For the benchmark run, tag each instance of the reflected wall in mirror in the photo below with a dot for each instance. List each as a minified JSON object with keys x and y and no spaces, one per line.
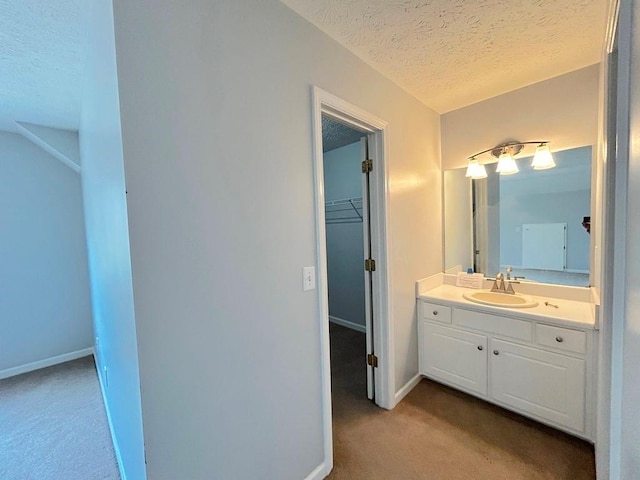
{"x":530,"y":221}
{"x":458,"y":220}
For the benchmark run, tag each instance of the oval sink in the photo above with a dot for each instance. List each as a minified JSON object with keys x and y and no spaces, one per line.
{"x":500,"y":299}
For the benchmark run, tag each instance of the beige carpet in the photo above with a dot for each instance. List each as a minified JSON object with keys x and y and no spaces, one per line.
{"x":53,"y":425}
{"x":438,"y":433}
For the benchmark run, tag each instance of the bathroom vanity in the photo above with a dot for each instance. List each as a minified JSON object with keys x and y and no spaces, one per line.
{"x":538,"y":361}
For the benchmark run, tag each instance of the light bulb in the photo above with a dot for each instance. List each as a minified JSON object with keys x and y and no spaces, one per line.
{"x":506,"y":164}
{"x":475,"y":170}
{"x":543,"y":158}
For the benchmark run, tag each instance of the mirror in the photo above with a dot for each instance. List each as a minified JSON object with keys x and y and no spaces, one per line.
{"x":531,"y":221}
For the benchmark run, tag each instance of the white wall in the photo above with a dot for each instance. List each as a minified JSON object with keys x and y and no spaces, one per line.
{"x":562,"y":110}
{"x":45,"y":308}
{"x":216,"y":118}
{"x":345,"y":242}
{"x":103,"y":187}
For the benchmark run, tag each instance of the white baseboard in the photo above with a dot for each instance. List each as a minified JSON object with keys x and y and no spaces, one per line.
{"x":318,"y":473}
{"x":114,"y":440}
{"x":348,"y":324}
{"x":47,"y":362}
{"x":410,"y":385}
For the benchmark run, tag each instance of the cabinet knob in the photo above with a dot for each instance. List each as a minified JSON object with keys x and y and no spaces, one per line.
{"x":496,"y":352}
{"x":559,"y":339}
{"x":435,"y":312}
{"x":479,"y":347}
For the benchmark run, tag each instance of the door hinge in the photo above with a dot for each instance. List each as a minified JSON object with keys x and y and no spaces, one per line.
{"x":367,"y":166}
{"x":370,"y":265}
{"x":372,"y":360}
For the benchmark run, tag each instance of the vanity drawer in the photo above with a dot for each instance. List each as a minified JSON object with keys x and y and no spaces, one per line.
{"x":433,"y":311}
{"x":563,"y":338}
{"x":508,"y":327}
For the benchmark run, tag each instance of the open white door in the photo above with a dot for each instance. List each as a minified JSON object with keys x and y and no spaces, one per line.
{"x":369,"y":266}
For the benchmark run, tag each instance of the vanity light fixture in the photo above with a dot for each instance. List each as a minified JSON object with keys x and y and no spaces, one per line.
{"x":475,"y":170}
{"x":507,"y":165}
{"x":543,"y":158}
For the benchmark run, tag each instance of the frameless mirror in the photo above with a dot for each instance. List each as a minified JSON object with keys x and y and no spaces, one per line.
{"x":532,"y":221}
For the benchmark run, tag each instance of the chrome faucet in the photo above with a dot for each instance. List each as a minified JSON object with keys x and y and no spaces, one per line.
{"x":499,"y":285}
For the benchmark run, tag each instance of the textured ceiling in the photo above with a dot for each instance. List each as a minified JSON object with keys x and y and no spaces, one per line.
{"x":336,"y":135}
{"x":448,"y":53}
{"x":42,"y":48}
{"x":452,"y":53}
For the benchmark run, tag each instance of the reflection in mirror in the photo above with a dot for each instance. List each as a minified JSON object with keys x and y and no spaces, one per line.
{"x":458,"y":228}
{"x":530,"y":221}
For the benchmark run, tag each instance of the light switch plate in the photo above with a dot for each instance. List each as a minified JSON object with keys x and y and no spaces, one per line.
{"x":308,"y":278}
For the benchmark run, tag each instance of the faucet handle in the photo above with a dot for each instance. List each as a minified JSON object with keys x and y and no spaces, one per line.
{"x":498,"y":283}
{"x":509,"y":270}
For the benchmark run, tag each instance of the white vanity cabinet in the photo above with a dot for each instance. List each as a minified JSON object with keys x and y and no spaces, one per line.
{"x":541,"y":383}
{"x":456,"y":356}
{"x":533,"y":368}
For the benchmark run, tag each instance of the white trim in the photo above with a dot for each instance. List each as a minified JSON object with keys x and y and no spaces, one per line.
{"x":33,"y":138}
{"x":346,"y":323}
{"x":324,"y":103}
{"x":618,"y":296}
{"x":47,"y":362}
{"x":114,"y":439}
{"x":318,"y":473}
{"x":406,"y":389}
{"x":323,"y":296}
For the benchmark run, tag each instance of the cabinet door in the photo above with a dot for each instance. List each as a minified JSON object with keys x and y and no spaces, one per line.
{"x":457,"y":357}
{"x":549,"y":385}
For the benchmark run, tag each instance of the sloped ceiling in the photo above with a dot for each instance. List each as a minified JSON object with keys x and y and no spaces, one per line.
{"x":42,"y":48}
{"x":452,"y":53}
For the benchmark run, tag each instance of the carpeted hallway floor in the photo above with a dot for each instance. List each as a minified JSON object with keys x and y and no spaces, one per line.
{"x":438,"y":433}
{"x":53,"y":425}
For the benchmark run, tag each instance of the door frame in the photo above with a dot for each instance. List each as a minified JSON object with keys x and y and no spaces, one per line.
{"x":324,"y":103}
{"x":607,"y":454}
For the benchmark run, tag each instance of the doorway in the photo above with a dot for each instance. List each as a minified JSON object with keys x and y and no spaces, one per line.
{"x":349,"y":258}
{"x":365,"y":213}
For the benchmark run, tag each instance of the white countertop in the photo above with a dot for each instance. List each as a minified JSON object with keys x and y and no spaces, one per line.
{"x":569,"y":313}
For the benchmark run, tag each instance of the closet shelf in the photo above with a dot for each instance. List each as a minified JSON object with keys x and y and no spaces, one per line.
{"x":344,"y":210}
